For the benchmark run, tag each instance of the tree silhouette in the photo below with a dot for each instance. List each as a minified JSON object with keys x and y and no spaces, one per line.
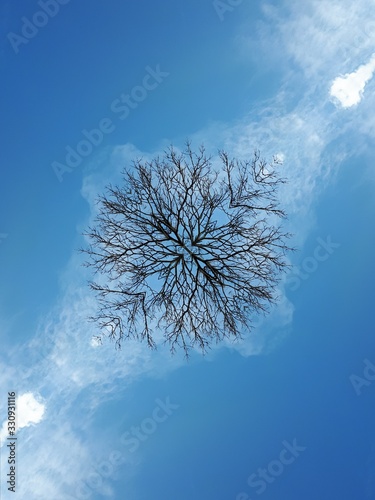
{"x":191,"y":250}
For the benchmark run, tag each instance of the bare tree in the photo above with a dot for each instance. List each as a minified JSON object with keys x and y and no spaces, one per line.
{"x":192,"y":250}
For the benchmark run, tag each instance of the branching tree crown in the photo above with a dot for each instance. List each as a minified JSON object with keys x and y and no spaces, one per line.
{"x":188,"y":249}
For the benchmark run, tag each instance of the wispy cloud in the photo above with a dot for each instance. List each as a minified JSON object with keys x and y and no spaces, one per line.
{"x":320,"y":39}
{"x":57,"y":447}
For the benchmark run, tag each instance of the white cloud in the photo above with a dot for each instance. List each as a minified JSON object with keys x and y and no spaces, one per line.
{"x":349,"y":89}
{"x":280,"y":157}
{"x":95,"y":342}
{"x":29,"y":410}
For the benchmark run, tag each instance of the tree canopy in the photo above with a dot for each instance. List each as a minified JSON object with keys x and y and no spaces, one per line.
{"x":188,"y":246}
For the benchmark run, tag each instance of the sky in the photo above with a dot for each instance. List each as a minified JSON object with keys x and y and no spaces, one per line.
{"x":287,"y":412}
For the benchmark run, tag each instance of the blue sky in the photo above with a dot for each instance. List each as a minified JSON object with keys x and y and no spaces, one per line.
{"x":286,"y":413}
